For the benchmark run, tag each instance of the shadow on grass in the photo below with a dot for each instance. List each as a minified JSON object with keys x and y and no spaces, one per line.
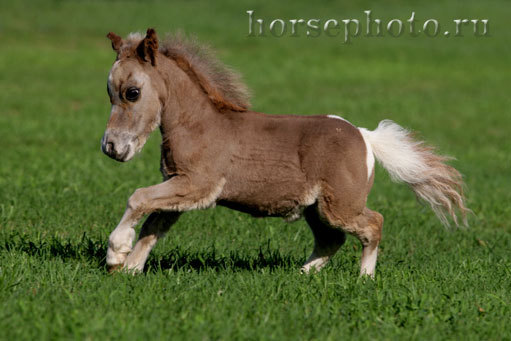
{"x":84,"y":248}
{"x":209,"y":260}
{"x":93,"y":251}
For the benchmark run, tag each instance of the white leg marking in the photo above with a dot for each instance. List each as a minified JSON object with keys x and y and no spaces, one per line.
{"x":120,"y":242}
{"x":369,"y":154}
{"x":119,"y":245}
{"x":368,"y":261}
{"x":315,"y":262}
{"x":137,"y":258}
{"x":121,"y":239}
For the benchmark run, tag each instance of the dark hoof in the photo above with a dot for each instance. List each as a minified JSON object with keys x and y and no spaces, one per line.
{"x":114,"y":268}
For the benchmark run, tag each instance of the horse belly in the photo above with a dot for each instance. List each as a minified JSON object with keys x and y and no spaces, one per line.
{"x":270,"y":194}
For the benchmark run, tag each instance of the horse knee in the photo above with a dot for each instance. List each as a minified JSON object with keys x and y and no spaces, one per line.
{"x":137,"y":200}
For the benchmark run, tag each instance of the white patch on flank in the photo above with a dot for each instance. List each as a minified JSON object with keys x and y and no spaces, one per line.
{"x":338,"y":118}
{"x":369,"y":153}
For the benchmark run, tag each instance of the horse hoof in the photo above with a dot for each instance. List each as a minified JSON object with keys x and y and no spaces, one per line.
{"x":114,"y":268}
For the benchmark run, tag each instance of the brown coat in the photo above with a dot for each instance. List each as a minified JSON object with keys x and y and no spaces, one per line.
{"x":216,"y":151}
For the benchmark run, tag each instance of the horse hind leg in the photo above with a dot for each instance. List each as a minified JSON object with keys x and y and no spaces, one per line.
{"x":367,"y":228}
{"x":327,"y":240}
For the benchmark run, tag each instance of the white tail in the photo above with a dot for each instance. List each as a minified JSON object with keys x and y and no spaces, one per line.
{"x":415,"y":164}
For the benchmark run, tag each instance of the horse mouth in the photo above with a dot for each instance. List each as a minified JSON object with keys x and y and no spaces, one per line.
{"x":124,"y":156}
{"x":116,"y":153}
{"x":121,"y":157}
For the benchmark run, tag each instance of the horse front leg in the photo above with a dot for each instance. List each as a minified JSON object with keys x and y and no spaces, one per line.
{"x":121,"y":241}
{"x":178,"y":194}
{"x":154,"y":228}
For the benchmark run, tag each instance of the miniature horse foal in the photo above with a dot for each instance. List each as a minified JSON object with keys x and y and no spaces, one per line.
{"x":215,"y":151}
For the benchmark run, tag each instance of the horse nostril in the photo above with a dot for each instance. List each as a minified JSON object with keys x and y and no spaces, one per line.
{"x":110,"y":147}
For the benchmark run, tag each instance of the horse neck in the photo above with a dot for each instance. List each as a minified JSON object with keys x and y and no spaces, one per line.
{"x":186,"y":102}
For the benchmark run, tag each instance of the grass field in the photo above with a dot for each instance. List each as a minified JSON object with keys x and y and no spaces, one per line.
{"x":220,"y":274}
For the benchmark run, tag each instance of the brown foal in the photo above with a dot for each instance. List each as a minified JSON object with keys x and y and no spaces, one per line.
{"x":216,"y":151}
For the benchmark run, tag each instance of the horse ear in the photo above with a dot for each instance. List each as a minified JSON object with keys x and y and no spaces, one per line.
{"x":148,"y":47}
{"x":116,"y":41}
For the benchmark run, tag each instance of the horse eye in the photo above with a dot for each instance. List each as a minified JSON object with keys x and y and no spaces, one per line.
{"x":132,"y":94}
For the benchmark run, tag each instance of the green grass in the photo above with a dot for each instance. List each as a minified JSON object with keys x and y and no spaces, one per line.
{"x":220,"y":274}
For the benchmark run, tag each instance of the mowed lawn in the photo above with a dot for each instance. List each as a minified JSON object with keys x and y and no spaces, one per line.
{"x":220,"y":274}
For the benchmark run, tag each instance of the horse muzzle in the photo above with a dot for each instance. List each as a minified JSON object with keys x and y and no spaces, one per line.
{"x":118,"y":147}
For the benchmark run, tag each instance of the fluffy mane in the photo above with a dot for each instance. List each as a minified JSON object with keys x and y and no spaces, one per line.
{"x":222,"y":84}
